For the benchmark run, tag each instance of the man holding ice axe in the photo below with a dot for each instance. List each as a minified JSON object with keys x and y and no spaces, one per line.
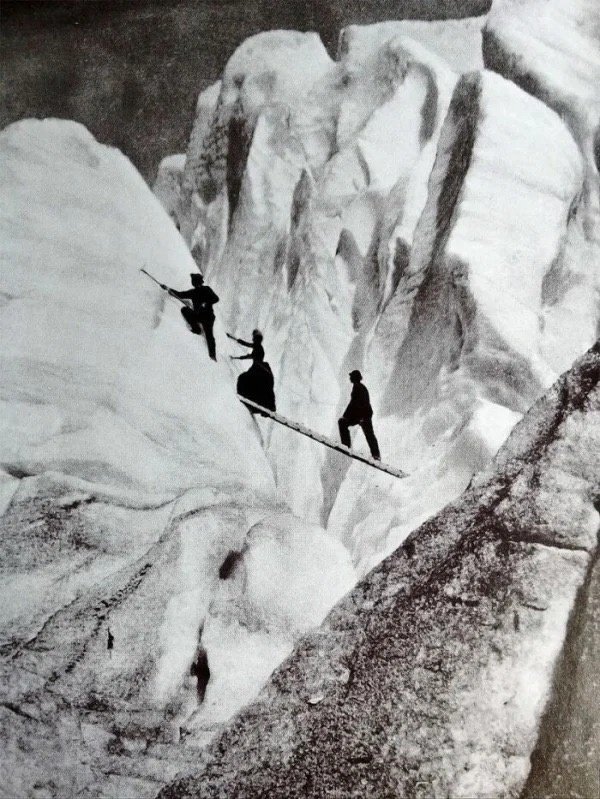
{"x":200,"y":317}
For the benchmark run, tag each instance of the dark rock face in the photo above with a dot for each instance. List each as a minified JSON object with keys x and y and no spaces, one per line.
{"x":565,"y":761}
{"x":432,"y":677}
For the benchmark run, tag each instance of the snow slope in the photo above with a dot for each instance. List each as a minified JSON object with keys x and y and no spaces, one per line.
{"x":129,"y":367}
{"x":130,"y":474}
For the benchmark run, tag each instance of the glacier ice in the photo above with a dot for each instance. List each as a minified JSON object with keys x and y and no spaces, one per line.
{"x":129,"y":472}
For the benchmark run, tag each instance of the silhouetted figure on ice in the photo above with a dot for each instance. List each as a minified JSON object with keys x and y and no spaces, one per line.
{"x":258,"y":351}
{"x":257,"y":384}
{"x":359,"y":412}
{"x":201,"y":316}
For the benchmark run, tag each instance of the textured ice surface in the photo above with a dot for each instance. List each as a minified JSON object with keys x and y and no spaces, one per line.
{"x":377,"y":211}
{"x":130,"y":474}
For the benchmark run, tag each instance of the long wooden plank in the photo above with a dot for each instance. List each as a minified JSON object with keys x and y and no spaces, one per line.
{"x":328,"y":442}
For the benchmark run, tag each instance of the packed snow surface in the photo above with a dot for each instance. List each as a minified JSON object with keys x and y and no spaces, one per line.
{"x":131,"y":475}
{"x":98,"y":381}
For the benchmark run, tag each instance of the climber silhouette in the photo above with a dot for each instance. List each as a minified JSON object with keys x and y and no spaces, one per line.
{"x":257,"y":384}
{"x":359,"y":412}
{"x":201,"y":317}
{"x":258,"y":352}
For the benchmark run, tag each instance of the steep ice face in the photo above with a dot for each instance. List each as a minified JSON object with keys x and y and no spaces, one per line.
{"x":205,"y":110}
{"x":269,"y":68}
{"x":468,"y":356}
{"x":130,"y":474}
{"x":457,"y":42}
{"x":338,"y":259}
{"x":79,"y":313}
{"x":441,"y":251}
{"x":300,"y":255}
{"x":168,"y":187}
{"x":552,"y":50}
{"x":500,"y":274}
{"x":281,"y":584}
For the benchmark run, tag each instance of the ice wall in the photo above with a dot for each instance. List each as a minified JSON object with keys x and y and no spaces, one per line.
{"x":468,"y":355}
{"x":442,"y":248}
{"x":136,"y":496}
{"x":552,"y":50}
{"x":303,"y":252}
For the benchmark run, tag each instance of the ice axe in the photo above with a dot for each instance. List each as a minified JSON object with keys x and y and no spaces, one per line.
{"x":164,"y":288}
{"x":186,"y":303}
{"x":158,"y":283}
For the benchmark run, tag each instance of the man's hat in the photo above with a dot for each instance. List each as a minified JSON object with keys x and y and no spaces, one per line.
{"x":196,"y":274}
{"x":355,"y":373}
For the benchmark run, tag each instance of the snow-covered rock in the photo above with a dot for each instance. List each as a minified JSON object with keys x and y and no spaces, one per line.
{"x":432,"y":677}
{"x":130,"y":473}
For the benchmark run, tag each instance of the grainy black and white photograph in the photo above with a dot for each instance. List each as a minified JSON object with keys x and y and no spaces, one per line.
{"x":300,"y":399}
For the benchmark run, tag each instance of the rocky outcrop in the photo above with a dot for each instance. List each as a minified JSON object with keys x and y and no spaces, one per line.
{"x":431,"y":678}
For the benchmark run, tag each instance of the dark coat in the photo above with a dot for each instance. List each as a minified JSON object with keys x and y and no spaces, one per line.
{"x":359,"y":406}
{"x":203,"y":298}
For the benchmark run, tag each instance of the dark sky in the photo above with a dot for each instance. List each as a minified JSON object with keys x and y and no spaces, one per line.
{"x":130,"y":70}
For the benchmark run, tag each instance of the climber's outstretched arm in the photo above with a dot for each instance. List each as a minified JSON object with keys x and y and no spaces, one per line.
{"x":181,"y":295}
{"x":241,"y":341}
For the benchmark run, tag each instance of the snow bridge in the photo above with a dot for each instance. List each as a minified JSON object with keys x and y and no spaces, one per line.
{"x":328,"y":442}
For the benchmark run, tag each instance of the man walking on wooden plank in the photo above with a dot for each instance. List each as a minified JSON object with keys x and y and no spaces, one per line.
{"x":359,"y":412}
